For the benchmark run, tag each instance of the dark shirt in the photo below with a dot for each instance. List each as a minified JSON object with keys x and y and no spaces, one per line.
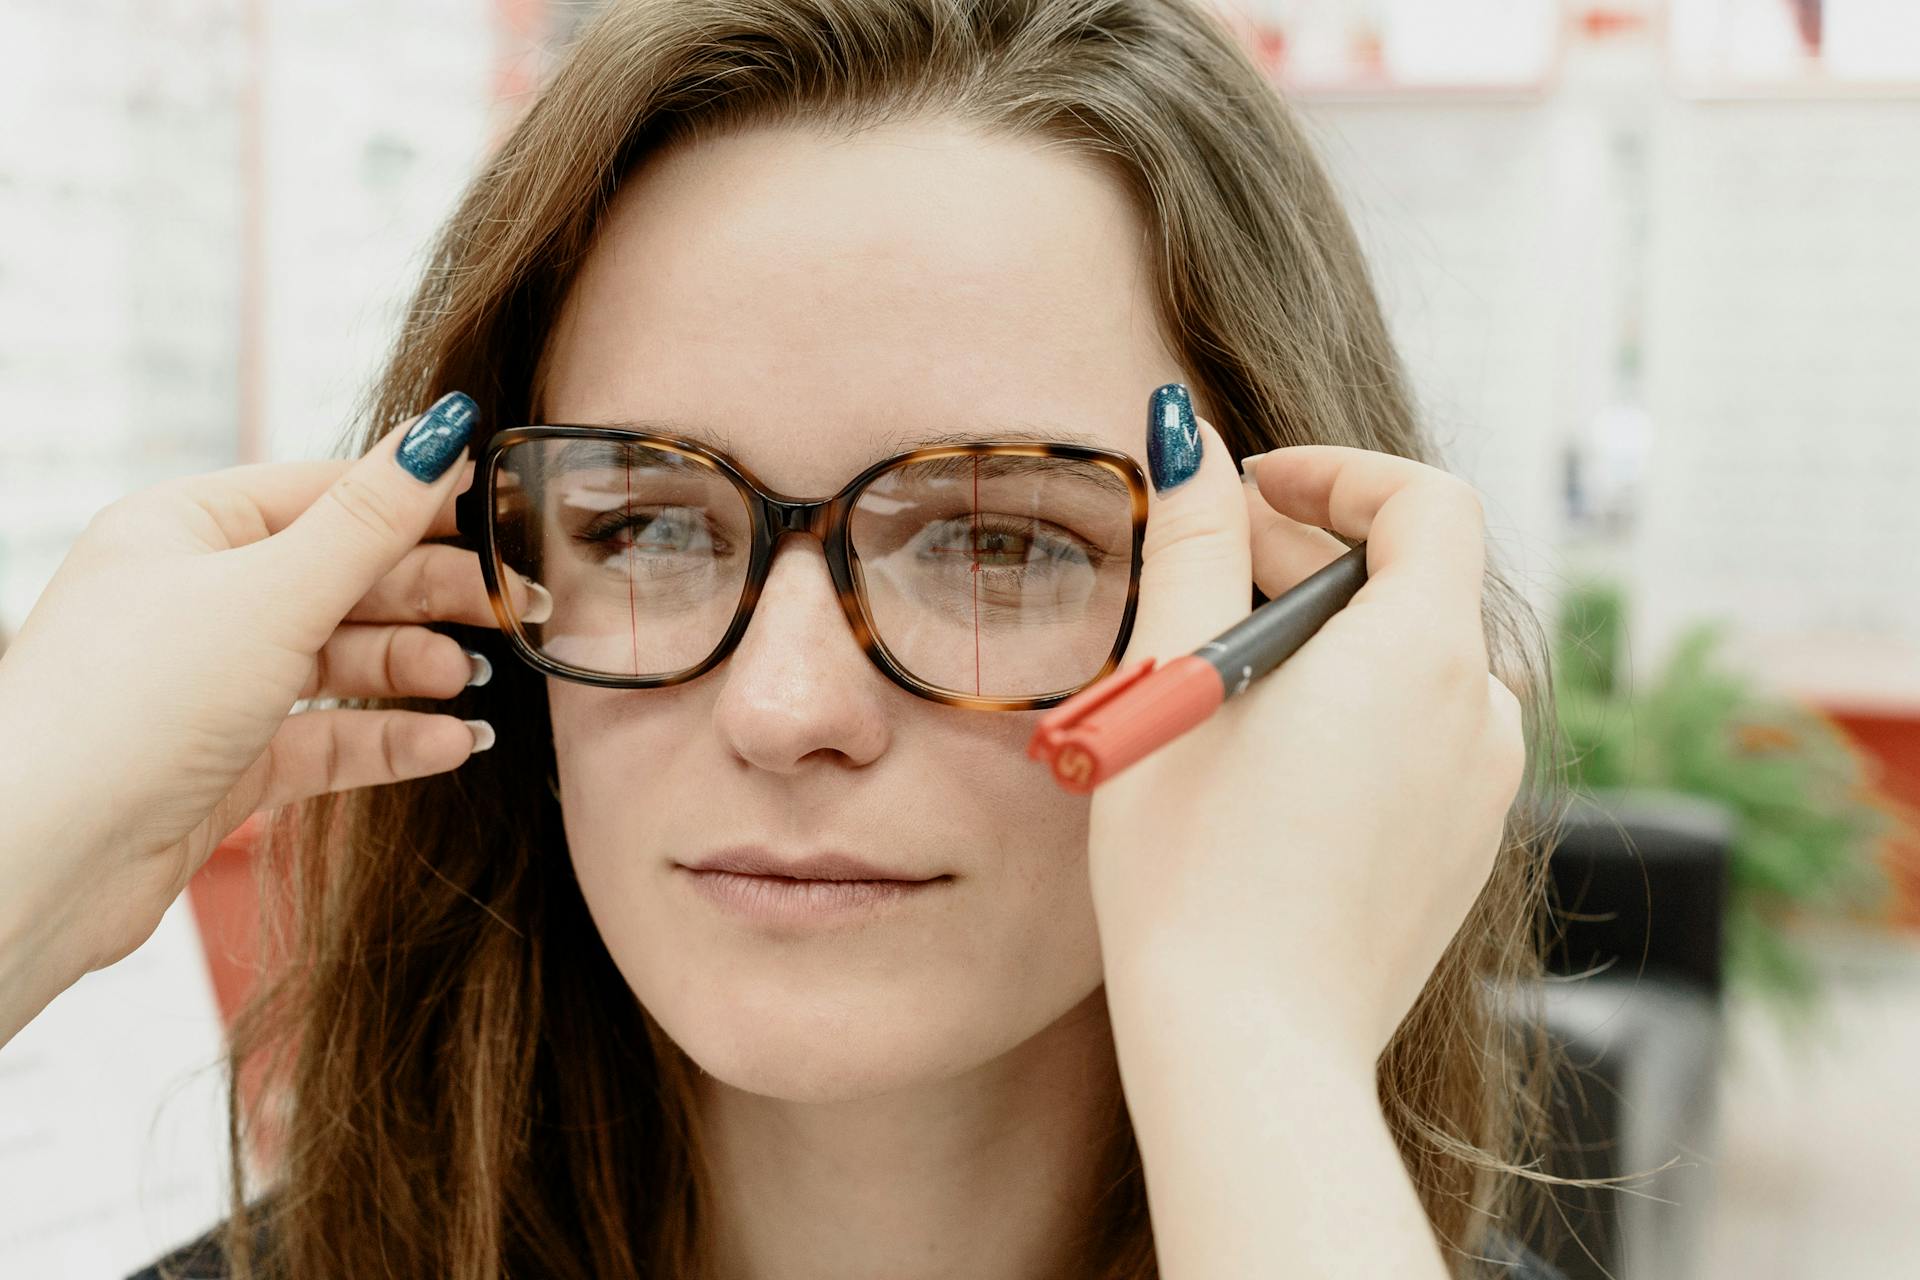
{"x":203,"y":1259}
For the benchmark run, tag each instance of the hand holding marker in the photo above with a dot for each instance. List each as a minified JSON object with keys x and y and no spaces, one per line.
{"x":1116,"y":721}
{"x":1275,"y":889}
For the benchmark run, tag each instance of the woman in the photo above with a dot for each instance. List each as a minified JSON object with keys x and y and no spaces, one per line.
{"x":518,"y":1029}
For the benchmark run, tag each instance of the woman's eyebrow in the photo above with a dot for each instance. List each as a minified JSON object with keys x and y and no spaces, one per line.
{"x":712,"y":437}
{"x":894,"y":442}
{"x":1043,"y":433}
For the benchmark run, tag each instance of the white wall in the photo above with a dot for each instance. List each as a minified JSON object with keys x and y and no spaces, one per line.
{"x":124,"y":336}
{"x":124,"y":196}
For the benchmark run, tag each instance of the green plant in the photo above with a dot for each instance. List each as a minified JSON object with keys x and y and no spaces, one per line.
{"x":1807,"y":823}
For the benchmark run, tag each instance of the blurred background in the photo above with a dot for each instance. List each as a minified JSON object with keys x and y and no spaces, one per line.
{"x":1654,"y":268}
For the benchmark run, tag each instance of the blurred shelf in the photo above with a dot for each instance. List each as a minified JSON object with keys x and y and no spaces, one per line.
{"x":1807,"y":89}
{"x":1838,"y":671}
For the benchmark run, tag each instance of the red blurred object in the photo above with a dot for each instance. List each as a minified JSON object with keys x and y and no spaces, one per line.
{"x":1598,"y":23}
{"x":1890,"y":738}
{"x":226,"y":905}
{"x":1268,"y":45}
{"x":1806,"y":18}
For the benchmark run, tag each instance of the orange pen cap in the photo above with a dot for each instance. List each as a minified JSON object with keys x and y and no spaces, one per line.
{"x":1113,"y":722}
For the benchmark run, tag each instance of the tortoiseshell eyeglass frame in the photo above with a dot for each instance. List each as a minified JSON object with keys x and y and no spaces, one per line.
{"x":774,"y":515}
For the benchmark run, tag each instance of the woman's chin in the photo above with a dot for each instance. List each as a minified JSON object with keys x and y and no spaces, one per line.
{"x":809,"y":1071}
{"x":822,"y":1051}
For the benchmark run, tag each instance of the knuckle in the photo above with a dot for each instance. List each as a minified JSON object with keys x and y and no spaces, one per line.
{"x":237,"y":518}
{"x":1508,"y":733}
{"x":1505,"y":700}
{"x":330,"y":758}
{"x":1459,"y":669}
{"x":391,"y":661}
{"x":367,"y":506}
{"x":321,"y":680}
{"x":1467,"y":496}
{"x":442,"y":582}
{"x":390,"y":747}
{"x":122,"y":515}
{"x":1170,"y":530}
{"x":437,"y":663}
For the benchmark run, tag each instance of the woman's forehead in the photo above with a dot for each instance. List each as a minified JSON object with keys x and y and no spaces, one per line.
{"x":815,"y":298}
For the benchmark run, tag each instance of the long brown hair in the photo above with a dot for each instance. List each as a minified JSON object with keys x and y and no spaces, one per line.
{"x":467,"y":1086}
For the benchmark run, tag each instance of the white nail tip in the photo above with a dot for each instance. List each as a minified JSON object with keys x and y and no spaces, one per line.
{"x":482,"y":669}
{"x":541,"y":607}
{"x":482,"y":734}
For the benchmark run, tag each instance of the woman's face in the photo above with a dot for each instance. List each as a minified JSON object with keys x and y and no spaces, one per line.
{"x":826,"y":303}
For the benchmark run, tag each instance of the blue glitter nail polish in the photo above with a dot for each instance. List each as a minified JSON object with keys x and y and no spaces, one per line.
{"x":1173,"y":437}
{"x":432,"y":443}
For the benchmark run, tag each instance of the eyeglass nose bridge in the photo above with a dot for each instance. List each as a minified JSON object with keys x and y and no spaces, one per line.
{"x":787,"y":516}
{"x":780,"y":516}
{"x":824,"y":519}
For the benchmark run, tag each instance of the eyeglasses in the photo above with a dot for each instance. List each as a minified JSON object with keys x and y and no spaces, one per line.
{"x":995,"y":575}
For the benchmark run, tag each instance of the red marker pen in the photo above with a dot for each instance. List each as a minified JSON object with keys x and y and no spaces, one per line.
{"x":1113,"y":722}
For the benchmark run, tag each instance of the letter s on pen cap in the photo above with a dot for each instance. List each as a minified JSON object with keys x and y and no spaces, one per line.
{"x":1116,"y":721}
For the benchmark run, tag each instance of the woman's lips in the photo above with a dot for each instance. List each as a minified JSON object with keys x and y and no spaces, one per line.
{"x":828,"y":864}
{"x":783,"y":900}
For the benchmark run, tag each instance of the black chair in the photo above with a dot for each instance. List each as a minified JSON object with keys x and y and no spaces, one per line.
{"x":1640,"y":881}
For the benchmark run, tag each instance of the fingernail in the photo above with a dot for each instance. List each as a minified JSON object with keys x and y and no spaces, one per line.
{"x":431,"y":444}
{"x":1246,"y":467}
{"x":482,"y":669}
{"x":540,"y":607}
{"x":482,"y":734}
{"x":1173,"y":437}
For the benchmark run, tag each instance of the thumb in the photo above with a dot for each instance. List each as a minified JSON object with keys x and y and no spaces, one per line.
{"x":1196,"y":571}
{"x":361,"y":526}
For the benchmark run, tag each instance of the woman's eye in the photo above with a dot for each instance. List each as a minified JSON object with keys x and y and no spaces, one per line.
{"x":668,"y":532}
{"x":997,"y":543}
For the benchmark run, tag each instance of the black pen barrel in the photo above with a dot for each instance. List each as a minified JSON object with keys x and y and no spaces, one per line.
{"x":1263,"y":639}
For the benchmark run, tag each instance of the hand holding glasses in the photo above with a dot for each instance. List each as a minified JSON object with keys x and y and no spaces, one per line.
{"x":254,"y":588}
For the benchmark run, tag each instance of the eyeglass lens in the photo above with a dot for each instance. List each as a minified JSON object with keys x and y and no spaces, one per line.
{"x":994,"y":575}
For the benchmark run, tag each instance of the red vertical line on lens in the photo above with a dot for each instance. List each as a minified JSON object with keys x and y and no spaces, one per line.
{"x":633,"y":610}
{"x":973,"y":563}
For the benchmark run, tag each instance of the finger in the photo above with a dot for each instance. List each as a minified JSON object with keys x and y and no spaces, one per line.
{"x":392,"y":662}
{"x":1509,"y":728}
{"x":258,"y":499}
{"x":1196,"y":564}
{"x":438,"y":583}
{"x":1285,"y":552}
{"x":1425,"y":529}
{"x":315,"y":752}
{"x":361,"y":525}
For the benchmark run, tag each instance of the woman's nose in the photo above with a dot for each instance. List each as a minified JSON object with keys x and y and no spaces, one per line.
{"x":798,"y":682}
